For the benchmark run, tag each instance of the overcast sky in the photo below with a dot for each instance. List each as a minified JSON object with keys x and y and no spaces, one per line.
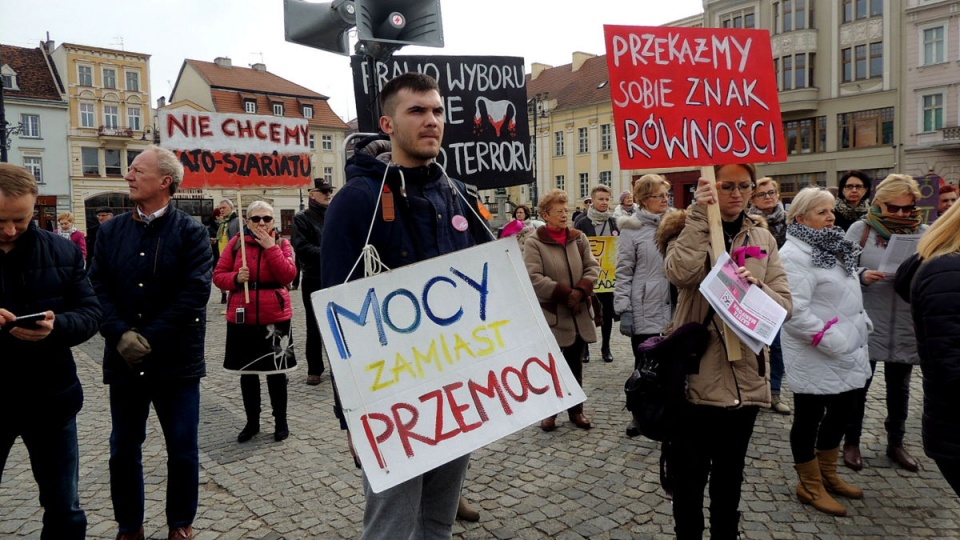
{"x":251,"y":31}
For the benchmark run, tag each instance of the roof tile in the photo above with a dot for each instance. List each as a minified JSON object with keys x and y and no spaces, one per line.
{"x":588,"y":85}
{"x":34,"y":79}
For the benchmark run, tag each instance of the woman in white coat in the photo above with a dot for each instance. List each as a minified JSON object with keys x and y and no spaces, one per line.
{"x":824,"y":345}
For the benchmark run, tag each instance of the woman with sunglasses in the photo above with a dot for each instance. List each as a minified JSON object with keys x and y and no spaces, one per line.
{"x":258,"y":332}
{"x":714,"y":426}
{"x":894,"y":211}
{"x":852,"y":201}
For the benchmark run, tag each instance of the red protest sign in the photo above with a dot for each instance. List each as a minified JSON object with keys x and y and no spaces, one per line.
{"x":693,"y":96}
{"x":237,"y":150}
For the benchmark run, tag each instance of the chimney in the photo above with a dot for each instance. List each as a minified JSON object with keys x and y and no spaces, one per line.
{"x":161,"y":102}
{"x":49,"y":44}
{"x":223,"y":62}
{"x":262,"y":68}
{"x":537,"y":68}
{"x":579,"y":58}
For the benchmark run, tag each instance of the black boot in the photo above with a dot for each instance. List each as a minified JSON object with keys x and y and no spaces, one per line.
{"x":250,"y":390}
{"x":277,"y":387}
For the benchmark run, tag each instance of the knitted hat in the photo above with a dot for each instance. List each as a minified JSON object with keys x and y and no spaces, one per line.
{"x":624,"y":195}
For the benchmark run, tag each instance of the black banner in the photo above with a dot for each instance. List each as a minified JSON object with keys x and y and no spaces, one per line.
{"x":486,"y":139}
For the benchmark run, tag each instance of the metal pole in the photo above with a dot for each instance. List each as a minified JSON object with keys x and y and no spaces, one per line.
{"x":373,"y":91}
{"x":3,"y":124}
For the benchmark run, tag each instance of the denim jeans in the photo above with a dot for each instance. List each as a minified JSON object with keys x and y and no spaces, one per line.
{"x":776,"y":365}
{"x":177,"y":402}
{"x":897,"y":378}
{"x":55,"y":460}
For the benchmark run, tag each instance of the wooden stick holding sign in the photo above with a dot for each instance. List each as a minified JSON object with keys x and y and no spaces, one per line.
{"x":717,"y":248}
{"x":243,"y":252}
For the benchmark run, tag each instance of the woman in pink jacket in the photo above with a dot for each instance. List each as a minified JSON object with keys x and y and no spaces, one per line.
{"x":258,"y":332}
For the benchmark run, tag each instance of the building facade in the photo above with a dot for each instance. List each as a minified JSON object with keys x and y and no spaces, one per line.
{"x":109,"y":122}
{"x":38,"y":114}
{"x":219,"y":86}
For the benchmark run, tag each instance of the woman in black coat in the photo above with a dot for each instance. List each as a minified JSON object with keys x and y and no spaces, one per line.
{"x":935,"y":304}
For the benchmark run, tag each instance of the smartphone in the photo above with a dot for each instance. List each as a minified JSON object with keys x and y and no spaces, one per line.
{"x":27,"y":321}
{"x":241,"y":315}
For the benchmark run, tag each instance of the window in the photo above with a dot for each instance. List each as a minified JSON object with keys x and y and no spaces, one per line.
{"x":583,"y":139}
{"x":133,"y":81}
{"x":861,"y":9}
{"x":87,"y":115}
{"x":606,"y":178}
{"x":862,"y":129}
{"x":131,"y":155}
{"x":741,"y":18}
{"x":328,"y":174}
{"x":313,"y":141}
{"x":933,"y":49}
{"x":584,"y":184}
{"x":278,"y":109}
{"x":91,"y":161}
{"x":250,"y":106}
{"x":31,"y":126}
{"x":606,"y":138}
{"x":109,"y":78}
{"x":561,"y":182}
{"x":326,"y":142}
{"x":558,"y":143}
{"x":791,"y":15}
{"x":112,"y":162}
{"x":932,"y":112}
{"x":9,"y":81}
{"x":34,"y":165}
{"x":787,"y":73}
{"x":86,"y":75}
{"x":806,"y":136}
{"x":111,"y":116}
{"x":790,"y":184}
{"x":133,"y":118}
{"x":308,"y":111}
{"x":858,"y":65}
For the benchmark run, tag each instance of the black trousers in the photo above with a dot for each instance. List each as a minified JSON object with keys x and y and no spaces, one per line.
{"x":276,"y":387}
{"x":573,"y":354}
{"x":314,"y":348}
{"x":710,"y":443}
{"x":897,"y":378}
{"x":950,"y":469}
{"x":819,"y":422}
{"x":606,"y":305}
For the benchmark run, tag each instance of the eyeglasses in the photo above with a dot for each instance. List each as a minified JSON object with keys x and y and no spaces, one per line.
{"x":762,"y":194}
{"x":730,"y":186}
{"x":662,"y":196}
{"x":855,"y":186}
{"x":258,"y":219}
{"x":895,"y":209}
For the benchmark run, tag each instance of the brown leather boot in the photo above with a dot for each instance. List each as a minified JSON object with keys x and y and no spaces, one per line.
{"x":831,"y":480}
{"x":578,"y":419}
{"x":810,"y":489}
{"x":131,"y":536}
{"x":851,"y":457}
{"x":901,"y":457}
{"x":181,"y":533}
{"x":466,"y":512}
{"x":549,"y":423}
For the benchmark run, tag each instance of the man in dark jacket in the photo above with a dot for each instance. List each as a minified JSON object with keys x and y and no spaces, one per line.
{"x":598,"y":220}
{"x":40,"y":394}
{"x":418,"y":213}
{"x":307,"y":232}
{"x":152,"y":273}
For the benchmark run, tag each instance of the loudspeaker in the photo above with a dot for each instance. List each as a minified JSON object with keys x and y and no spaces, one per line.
{"x":404,"y":22}
{"x":321,"y":25}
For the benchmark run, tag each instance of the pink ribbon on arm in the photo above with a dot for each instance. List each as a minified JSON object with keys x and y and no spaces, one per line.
{"x":740,"y":254}
{"x":819,"y":336}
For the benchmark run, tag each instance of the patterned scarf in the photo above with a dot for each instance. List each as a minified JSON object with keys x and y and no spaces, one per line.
{"x":776,"y":222}
{"x":885,"y":225}
{"x":828,"y":245}
{"x":852,"y":213}
{"x":599,"y":218}
{"x":68,"y":233}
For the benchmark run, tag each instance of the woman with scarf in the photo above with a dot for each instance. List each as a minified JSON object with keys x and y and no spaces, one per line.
{"x":766,"y":203}
{"x":598,"y":220}
{"x":852,"y":204}
{"x":824,"y":345}
{"x":627,"y":206}
{"x":894,"y":211}
{"x":69,"y":231}
{"x":259,"y":341}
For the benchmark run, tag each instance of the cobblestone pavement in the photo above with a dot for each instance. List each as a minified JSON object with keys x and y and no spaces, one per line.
{"x":566,"y":484}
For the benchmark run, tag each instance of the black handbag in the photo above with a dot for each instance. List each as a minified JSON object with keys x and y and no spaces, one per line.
{"x":656,"y":388}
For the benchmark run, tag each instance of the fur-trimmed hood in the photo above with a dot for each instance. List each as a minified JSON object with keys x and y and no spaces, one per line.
{"x":673,"y":222}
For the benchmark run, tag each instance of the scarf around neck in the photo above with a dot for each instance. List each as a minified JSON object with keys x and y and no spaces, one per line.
{"x":852,"y":213}
{"x":886,"y":225}
{"x":67,"y":234}
{"x":599,"y":218}
{"x":829,"y":247}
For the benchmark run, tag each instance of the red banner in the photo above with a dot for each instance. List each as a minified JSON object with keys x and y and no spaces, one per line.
{"x":693,"y":96}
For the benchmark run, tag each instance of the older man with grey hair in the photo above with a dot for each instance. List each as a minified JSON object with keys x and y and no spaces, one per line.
{"x":152,"y":272}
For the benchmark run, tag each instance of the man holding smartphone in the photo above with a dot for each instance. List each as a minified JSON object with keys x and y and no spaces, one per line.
{"x":46,"y":306}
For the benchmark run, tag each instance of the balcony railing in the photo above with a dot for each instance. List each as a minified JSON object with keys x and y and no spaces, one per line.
{"x":106,"y":131}
{"x":951,"y":133}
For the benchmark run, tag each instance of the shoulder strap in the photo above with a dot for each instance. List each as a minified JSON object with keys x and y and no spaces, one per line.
{"x":864,"y":236}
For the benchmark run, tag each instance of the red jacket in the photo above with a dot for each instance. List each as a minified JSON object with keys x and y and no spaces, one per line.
{"x":272,"y":268}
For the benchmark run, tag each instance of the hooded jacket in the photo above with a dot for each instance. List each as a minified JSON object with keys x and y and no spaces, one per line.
{"x":642,"y":287}
{"x":555,"y":271}
{"x":684,"y":238}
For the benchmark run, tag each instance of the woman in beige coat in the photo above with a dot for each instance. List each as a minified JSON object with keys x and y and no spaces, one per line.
{"x":723,"y":397}
{"x":563,"y":271}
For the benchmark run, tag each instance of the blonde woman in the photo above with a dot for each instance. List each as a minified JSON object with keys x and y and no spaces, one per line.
{"x":69,"y":231}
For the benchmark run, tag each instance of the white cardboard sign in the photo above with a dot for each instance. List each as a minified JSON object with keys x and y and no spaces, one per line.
{"x":442,"y":357}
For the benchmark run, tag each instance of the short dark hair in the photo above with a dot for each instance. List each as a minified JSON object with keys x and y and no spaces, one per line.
{"x":860,"y":175}
{"x":415,"y":82}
